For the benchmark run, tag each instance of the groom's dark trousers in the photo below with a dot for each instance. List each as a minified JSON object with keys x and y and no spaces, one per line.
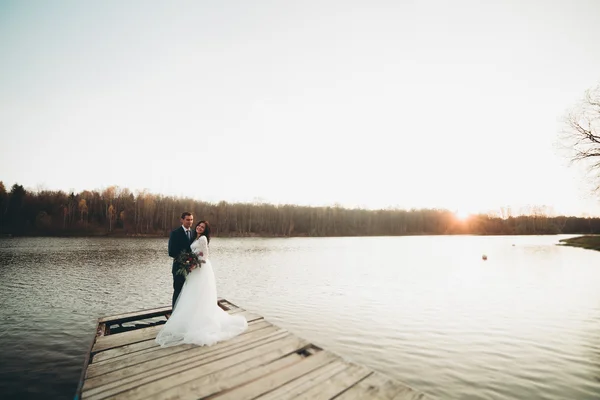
{"x":178,"y":242}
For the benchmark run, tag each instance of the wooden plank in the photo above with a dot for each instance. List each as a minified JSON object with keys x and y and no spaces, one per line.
{"x":302,"y":384}
{"x":152,"y":312}
{"x":225,"y":380}
{"x":251,"y":316}
{"x":179,"y":362}
{"x":121,"y":339}
{"x":102,"y":329}
{"x":278,"y":378}
{"x":246,"y":339}
{"x":147,"y":383}
{"x":336,"y":384}
{"x":140,"y":335}
{"x":236,"y":342}
{"x":135,"y":315}
{"x":206,"y":385}
{"x":123,"y":353}
{"x":378,"y":387}
{"x":85,"y":364}
{"x":130,"y":348}
{"x":226,"y":304}
{"x":264,"y":363}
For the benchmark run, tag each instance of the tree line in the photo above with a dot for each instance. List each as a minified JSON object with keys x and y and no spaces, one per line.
{"x":118,"y":212}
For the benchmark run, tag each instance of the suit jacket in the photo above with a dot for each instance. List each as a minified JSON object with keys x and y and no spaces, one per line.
{"x":178,"y":242}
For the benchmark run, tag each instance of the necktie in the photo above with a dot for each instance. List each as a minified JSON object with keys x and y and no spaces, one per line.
{"x":189,"y":234}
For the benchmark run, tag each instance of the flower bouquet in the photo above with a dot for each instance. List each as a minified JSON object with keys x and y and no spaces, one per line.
{"x":187,"y":261}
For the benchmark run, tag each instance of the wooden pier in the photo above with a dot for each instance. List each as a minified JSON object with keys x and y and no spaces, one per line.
{"x":265,"y":362}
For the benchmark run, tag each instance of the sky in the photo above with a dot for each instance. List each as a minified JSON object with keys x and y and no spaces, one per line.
{"x":372,"y":104}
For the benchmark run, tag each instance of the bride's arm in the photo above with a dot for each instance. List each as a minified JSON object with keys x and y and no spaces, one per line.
{"x":203,"y":255}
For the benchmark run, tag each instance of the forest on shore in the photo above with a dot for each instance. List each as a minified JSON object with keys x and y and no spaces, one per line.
{"x":117,"y":211}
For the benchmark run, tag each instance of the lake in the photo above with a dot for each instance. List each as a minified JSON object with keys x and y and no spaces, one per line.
{"x":426,"y":310}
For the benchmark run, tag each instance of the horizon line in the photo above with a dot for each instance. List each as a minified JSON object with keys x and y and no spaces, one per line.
{"x":513,"y":210}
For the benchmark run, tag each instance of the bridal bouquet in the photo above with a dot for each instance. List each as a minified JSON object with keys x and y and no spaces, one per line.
{"x":187,"y":261}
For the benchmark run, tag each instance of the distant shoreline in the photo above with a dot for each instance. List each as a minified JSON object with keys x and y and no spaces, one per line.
{"x":126,"y":235}
{"x":580,"y":241}
{"x":590,"y":242}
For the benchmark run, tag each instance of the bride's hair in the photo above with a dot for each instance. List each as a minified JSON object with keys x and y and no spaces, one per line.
{"x":206,"y":230}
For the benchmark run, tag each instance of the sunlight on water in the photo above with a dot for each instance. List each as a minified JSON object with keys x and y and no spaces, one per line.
{"x":426,"y":310}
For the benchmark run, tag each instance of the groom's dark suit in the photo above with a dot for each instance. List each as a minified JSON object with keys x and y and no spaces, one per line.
{"x":178,"y":242}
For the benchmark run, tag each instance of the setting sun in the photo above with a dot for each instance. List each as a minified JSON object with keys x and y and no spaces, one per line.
{"x":462,"y":215}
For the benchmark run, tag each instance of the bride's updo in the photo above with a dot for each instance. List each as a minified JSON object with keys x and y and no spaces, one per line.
{"x":206,"y":230}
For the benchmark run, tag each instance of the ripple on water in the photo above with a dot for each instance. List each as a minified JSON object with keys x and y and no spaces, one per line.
{"x":424,"y":310}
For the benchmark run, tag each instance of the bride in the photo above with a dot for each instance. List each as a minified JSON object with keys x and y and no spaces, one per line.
{"x":196,"y":318}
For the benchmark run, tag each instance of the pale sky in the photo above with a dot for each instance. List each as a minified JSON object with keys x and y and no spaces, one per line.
{"x":450,"y":104}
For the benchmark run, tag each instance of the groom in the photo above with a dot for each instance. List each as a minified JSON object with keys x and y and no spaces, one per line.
{"x":179,"y":241}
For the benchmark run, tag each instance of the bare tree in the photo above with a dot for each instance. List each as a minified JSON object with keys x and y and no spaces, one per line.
{"x":112,"y":213}
{"x":581,"y":135}
{"x":83,"y":210}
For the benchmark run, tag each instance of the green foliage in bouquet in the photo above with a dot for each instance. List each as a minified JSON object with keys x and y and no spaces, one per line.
{"x":187,"y":261}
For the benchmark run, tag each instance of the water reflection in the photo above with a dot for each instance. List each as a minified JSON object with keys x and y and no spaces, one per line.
{"x":426,"y":310}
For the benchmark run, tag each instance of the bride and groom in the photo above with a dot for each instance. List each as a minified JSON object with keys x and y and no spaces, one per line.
{"x":196,"y":317}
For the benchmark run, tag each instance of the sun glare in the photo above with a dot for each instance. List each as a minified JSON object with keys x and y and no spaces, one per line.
{"x":462,"y":215}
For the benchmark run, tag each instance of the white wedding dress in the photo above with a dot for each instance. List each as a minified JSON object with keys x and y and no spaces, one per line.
{"x":196,"y":318}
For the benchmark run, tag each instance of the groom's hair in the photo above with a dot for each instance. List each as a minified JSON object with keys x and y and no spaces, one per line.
{"x":185,"y":214}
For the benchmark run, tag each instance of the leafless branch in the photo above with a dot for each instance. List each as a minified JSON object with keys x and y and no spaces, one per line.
{"x":581,"y":133}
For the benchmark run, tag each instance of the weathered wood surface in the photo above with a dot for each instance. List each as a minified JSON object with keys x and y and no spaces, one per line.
{"x":265,"y":362}
{"x":134,"y":316}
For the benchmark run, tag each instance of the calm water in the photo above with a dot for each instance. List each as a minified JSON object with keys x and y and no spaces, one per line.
{"x":525,"y":324}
